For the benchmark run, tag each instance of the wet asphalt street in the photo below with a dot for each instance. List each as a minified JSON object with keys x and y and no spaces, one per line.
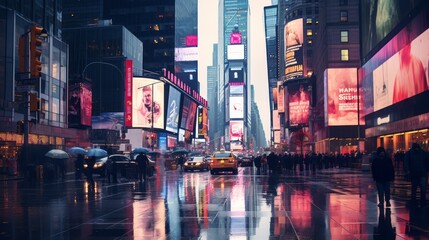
{"x":330,"y":204}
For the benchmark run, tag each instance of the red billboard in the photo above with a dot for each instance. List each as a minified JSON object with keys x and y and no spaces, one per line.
{"x":191,"y":40}
{"x":235,"y":38}
{"x":80,"y":105}
{"x":128,"y":93}
{"x":299,"y":104}
{"x":341,"y":96}
{"x":236,"y":130}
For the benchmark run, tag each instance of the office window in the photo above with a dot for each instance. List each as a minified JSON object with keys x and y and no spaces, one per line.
{"x":344,"y":36}
{"x":309,"y":32}
{"x":344,"y":16}
{"x":344,"y":2}
{"x":309,"y":20}
{"x":344,"y":54}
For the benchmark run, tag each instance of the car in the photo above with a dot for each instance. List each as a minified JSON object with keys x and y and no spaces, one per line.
{"x":246,"y":161}
{"x":100,"y":166}
{"x":196,"y":163}
{"x":223,"y":161}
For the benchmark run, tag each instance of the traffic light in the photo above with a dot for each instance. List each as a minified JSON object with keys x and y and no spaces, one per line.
{"x":35,"y":52}
{"x":34,"y":102}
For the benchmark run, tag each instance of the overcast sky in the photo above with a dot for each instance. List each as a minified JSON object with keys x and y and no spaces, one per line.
{"x":207,"y":36}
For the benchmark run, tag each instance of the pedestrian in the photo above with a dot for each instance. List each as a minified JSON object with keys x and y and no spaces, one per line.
{"x":142,"y":162}
{"x":257,"y":162}
{"x":78,"y":166}
{"x":383,"y":173}
{"x":90,"y":162}
{"x":416,"y":166}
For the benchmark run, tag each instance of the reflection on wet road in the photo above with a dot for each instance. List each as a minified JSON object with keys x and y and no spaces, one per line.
{"x":331,"y":204}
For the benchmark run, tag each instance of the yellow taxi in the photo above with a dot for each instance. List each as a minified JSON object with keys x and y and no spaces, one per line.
{"x":223,"y":161}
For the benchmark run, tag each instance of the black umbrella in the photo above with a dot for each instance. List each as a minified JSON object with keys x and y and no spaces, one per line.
{"x":180,"y":151}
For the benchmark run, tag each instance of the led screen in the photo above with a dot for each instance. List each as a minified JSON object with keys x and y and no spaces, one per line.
{"x":341,"y":96}
{"x":148,"y":103}
{"x":299,"y":104}
{"x":173,"y":110}
{"x":80,"y":105}
{"x":403,"y":75}
{"x":293,"y":39}
{"x":108,"y":120}
{"x":280,"y":98}
{"x":236,"y":130}
{"x":236,"y":107}
{"x":189,"y":111}
{"x":235,"y":38}
{"x":276,"y":120}
{"x":235,"y":52}
{"x":236,"y":89}
{"x":186,"y":54}
{"x":379,"y":18}
{"x":191,"y":40}
{"x":236,"y":75}
{"x":275,"y":96}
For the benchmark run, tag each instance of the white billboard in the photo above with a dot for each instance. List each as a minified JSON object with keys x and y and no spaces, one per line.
{"x":236,"y":107}
{"x":186,"y":54}
{"x":235,"y":52}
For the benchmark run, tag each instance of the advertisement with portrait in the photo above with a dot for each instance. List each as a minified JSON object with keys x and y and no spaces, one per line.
{"x":108,"y":120}
{"x":236,"y":130}
{"x":379,"y":18}
{"x":185,"y":112}
{"x":189,"y":111}
{"x":342,"y":96}
{"x":148,"y":103}
{"x":299,"y":104}
{"x":236,"y":107}
{"x":173,"y":110}
{"x":403,"y":75}
{"x":280,"y":97}
{"x":294,"y":54}
{"x":80,"y":105}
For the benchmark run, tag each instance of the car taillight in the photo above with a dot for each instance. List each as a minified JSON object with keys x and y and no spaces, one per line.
{"x":231,"y":160}
{"x":211,"y":161}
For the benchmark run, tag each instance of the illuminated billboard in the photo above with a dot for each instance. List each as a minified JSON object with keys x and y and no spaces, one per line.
{"x":299,"y":104}
{"x":189,"y":111}
{"x":235,"y":52}
{"x":236,"y":107}
{"x":379,"y":18}
{"x":186,"y":54}
{"x":275,"y":96}
{"x":294,"y":54}
{"x":108,"y":120}
{"x":235,"y":38}
{"x":173,"y":110}
{"x":280,"y":97}
{"x":236,"y":75}
{"x":148,"y":103}
{"x":341,"y":96}
{"x":403,"y":75}
{"x":236,"y":130}
{"x":236,"y":89}
{"x":202,"y":122}
{"x":191,"y":40}
{"x":128,"y":77}
{"x":80,"y":105}
{"x":276,"y":120}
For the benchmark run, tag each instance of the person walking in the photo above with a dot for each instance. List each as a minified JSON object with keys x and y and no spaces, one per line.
{"x":90,"y":162}
{"x":416,"y":166}
{"x":78,"y":165}
{"x":383,"y":173}
{"x":142,"y":162}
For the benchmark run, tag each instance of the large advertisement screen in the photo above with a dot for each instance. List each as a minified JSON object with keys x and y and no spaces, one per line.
{"x":80,"y":105}
{"x":186,"y":54}
{"x":108,"y":120}
{"x":400,"y":69}
{"x":236,"y":75}
{"x":276,"y":120}
{"x":148,"y":103}
{"x":280,"y":97}
{"x":236,"y":89}
{"x":299,"y":104}
{"x":341,"y":96}
{"x":236,"y":107}
{"x":173,"y":110}
{"x":379,"y":18}
{"x":236,"y":130}
{"x":293,"y":45}
{"x":235,"y":52}
{"x":235,"y":38}
{"x":189,"y":111}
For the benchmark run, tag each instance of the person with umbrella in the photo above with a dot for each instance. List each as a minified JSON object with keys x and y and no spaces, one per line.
{"x":142,"y":162}
{"x":90,"y":162}
{"x":78,"y":164}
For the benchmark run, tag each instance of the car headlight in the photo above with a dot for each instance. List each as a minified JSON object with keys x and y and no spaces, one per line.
{"x":97,"y":165}
{"x":85,"y":165}
{"x":198,"y":164}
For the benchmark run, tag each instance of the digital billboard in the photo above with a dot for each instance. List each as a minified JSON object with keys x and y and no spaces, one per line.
{"x":236,"y":130}
{"x":236,"y":75}
{"x":80,"y":105}
{"x":280,"y":97}
{"x":235,"y":38}
{"x":186,"y":54}
{"x":202,"y":122}
{"x":108,"y":120}
{"x":276,"y":120}
{"x":191,"y":40}
{"x":173,"y":110}
{"x":275,"y":96}
{"x":403,"y":75}
{"x":299,"y":104}
{"x":235,"y":52}
{"x":294,"y":54}
{"x":341,"y":96}
{"x":236,"y":89}
{"x":148,"y":103}
{"x":128,"y":77}
{"x":399,"y":70}
{"x":379,"y":18}
{"x":236,"y":107}
{"x":189,"y":111}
